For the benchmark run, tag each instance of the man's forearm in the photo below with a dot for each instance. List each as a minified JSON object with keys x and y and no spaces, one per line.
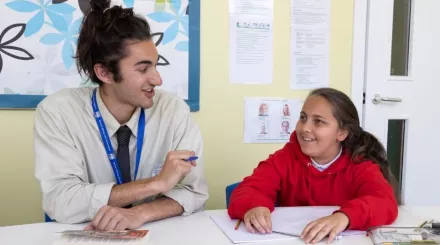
{"x":161,"y":208}
{"x":125,"y":194}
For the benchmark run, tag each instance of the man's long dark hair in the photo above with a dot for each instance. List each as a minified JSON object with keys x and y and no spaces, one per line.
{"x":104,"y":33}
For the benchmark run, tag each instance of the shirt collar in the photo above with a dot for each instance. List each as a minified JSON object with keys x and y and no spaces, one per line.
{"x":134,"y":120}
{"x":325,"y":166}
{"x":110,"y":121}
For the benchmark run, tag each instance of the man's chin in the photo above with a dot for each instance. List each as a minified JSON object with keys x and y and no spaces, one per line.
{"x":146,"y":104}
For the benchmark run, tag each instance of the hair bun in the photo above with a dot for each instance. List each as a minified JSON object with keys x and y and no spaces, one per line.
{"x":99,"y":5}
{"x":119,"y":12}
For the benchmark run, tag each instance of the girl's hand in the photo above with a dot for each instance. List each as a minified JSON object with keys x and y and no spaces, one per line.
{"x":330,"y":225}
{"x":259,"y":218}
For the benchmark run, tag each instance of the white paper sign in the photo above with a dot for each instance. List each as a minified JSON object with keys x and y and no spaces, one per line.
{"x":310,"y":35}
{"x":270,"y":120}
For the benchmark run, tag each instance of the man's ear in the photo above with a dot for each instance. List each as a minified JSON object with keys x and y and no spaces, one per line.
{"x":103,"y":74}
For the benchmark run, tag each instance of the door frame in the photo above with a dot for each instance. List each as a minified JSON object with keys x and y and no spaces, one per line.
{"x":359,"y":55}
{"x":359,"y":73}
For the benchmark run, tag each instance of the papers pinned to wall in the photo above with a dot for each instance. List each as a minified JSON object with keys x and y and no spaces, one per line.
{"x":270,"y":120}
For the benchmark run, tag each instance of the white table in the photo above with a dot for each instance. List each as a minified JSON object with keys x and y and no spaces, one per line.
{"x":425,"y":212}
{"x":194,"y":229}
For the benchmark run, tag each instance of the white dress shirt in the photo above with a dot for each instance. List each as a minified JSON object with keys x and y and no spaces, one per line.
{"x":71,"y":163}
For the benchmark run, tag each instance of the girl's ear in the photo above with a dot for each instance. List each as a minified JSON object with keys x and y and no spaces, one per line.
{"x":342,"y":135}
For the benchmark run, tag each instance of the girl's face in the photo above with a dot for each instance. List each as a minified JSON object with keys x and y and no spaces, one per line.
{"x":286,"y":109}
{"x":318,"y":131}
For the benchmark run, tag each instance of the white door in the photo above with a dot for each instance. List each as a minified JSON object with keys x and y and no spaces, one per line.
{"x":402,"y":90}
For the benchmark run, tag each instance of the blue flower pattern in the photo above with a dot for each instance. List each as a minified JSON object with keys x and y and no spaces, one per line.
{"x":178,"y":18}
{"x":129,"y":3}
{"x":64,"y":31}
{"x":59,"y":16}
{"x":69,"y":39}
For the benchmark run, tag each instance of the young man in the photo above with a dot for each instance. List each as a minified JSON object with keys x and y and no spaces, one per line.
{"x":120,"y":154}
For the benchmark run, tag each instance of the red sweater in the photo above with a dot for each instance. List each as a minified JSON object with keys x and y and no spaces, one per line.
{"x":288,"y":178}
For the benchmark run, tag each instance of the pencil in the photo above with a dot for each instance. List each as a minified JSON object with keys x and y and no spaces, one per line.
{"x":424,"y":223}
{"x":238,"y":224}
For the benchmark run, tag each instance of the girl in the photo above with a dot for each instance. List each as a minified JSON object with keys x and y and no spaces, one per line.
{"x":329,"y":161}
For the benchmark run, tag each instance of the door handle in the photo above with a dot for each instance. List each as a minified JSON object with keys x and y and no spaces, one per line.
{"x":377,"y":99}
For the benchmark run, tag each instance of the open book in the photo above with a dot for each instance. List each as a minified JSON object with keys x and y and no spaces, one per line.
{"x":82,"y":237}
{"x":293,"y":220}
{"x":241,"y":235}
{"x":287,"y":223}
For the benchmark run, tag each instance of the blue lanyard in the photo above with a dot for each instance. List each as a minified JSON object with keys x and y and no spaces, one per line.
{"x":108,"y":144}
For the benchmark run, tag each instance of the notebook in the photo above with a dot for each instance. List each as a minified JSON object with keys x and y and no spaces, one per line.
{"x":293,"y":220}
{"x":287,"y":223}
{"x":227,"y":226}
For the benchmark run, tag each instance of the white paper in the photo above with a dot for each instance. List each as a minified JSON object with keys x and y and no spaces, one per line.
{"x":310,"y":31}
{"x":270,"y":120}
{"x":250,"y":41}
{"x":227,"y":226}
{"x":251,"y":50}
{"x":261,"y":8}
{"x":293,"y":220}
{"x":287,"y":223}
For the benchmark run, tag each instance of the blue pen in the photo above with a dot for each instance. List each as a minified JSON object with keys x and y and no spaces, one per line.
{"x":192,"y":159}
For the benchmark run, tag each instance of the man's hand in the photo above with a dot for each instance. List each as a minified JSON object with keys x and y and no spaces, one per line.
{"x":114,"y":218}
{"x":175,"y":168}
{"x":259,"y":218}
{"x":330,"y":225}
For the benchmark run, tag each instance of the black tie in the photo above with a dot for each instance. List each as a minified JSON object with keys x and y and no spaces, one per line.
{"x":123,"y":134}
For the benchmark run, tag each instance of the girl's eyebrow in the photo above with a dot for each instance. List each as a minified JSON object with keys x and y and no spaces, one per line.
{"x":313,"y":115}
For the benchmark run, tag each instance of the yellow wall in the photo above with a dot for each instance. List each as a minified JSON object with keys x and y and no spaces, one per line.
{"x":228,"y":159}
